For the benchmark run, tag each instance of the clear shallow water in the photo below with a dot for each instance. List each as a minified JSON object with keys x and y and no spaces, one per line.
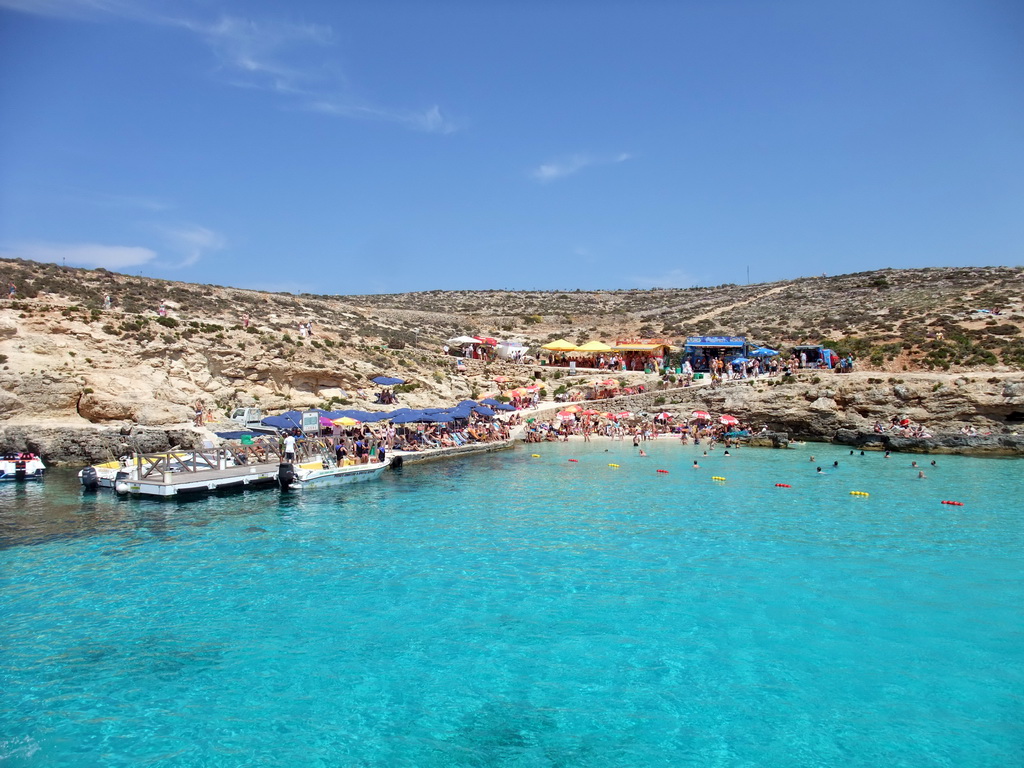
{"x":518,"y":611}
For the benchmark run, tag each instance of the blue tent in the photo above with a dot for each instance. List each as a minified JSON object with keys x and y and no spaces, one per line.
{"x":387,"y":381}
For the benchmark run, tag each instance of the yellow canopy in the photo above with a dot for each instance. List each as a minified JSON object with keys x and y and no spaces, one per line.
{"x":639,"y":347}
{"x":560,"y":345}
{"x":594,"y":346}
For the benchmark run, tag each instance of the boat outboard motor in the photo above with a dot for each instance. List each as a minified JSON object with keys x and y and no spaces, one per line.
{"x":19,"y":469}
{"x":90,"y":480}
{"x":285,"y":475}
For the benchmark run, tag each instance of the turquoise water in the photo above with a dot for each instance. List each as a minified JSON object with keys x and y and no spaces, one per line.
{"x":507,"y":610}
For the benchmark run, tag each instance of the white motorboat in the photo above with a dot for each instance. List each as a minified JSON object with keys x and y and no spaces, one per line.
{"x":323,"y":472}
{"x":21,"y":466}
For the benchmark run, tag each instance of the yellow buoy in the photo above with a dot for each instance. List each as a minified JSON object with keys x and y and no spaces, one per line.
{"x":859,"y":493}
{"x":713,"y":477}
{"x":613,"y":465}
{"x":535,"y":455}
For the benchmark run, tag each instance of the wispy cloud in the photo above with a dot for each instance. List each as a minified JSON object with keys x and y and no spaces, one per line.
{"x":559,"y":169}
{"x":289,"y":60}
{"x":674,"y":278}
{"x":191,"y":243}
{"x":92,"y":255}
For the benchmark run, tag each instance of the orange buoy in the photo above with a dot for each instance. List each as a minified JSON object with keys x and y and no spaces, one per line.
{"x":783,"y":485}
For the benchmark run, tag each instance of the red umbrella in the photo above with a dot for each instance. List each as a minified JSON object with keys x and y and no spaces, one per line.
{"x":702,"y":415}
{"x":623,"y":414}
{"x":664,"y":417}
{"x":590,"y":412}
{"x":727,"y":419}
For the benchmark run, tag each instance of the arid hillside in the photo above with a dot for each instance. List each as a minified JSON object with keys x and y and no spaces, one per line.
{"x":64,"y":356}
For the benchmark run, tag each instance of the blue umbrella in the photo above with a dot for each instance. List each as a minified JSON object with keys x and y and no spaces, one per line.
{"x":491,"y":401}
{"x":763,"y":352}
{"x":409,"y":418}
{"x":739,"y":360}
{"x":483,"y":410}
{"x":504,"y":407}
{"x":387,"y":381}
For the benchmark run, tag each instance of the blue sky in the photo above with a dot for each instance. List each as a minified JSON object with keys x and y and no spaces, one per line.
{"x":375,"y":147}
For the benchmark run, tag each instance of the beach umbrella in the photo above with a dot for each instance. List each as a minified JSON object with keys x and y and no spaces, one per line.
{"x":483,"y":410}
{"x":608,"y":384}
{"x":701,"y":415}
{"x":763,"y":352}
{"x":501,"y":379}
{"x":574,"y":408}
{"x":503,"y":407}
{"x":387,"y":381}
{"x":623,"y":414}
{"x":567,"y":415}
{"x":725,"y":418}
{"x":345,"y":421}
{"x":590,"y":412}
{"x":664,"y":417}
{"x":490,"y":401}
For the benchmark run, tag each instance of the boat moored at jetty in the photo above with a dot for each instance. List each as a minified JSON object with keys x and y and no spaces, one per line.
{"x":324,"y":472}
{"x":180,"y":473}
{"x":21,"y":466}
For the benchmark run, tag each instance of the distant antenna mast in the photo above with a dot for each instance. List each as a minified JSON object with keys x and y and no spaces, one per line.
{"x":748,"y":274}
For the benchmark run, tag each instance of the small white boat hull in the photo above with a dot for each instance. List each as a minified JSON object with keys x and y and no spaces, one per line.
{"x":311,"y":477}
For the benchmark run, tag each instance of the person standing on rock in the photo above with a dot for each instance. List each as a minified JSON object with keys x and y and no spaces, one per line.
{"x":11,"y":290}
{"x":245,"y":320}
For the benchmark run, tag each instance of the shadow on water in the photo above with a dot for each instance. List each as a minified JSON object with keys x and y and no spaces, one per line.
{"x":59,"y":509}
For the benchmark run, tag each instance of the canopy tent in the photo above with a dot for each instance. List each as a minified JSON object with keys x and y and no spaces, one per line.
{"x":461,"y":341}
{"x":559,"y":345}
{"x":626,"y":347}
{"x":387,"y":381}
{"x":593,"y":347}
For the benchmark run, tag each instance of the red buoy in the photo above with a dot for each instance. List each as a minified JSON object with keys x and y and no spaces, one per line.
{"x":783,"y":485}
{"x":663,"y":471}
{"x":954,"y":503}
{"x":573,"y":459}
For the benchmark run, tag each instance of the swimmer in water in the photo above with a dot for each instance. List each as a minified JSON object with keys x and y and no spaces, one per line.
{"x":695,"y":464}
{"x":921,"y":475}
{"x":819,"y":471}
{"x":642,"y":453}
{"x":727,"y":454}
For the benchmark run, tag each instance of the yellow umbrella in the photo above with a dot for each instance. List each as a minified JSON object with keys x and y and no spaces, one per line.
{"x":560,"y":345}
{"x":345,"y":421}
